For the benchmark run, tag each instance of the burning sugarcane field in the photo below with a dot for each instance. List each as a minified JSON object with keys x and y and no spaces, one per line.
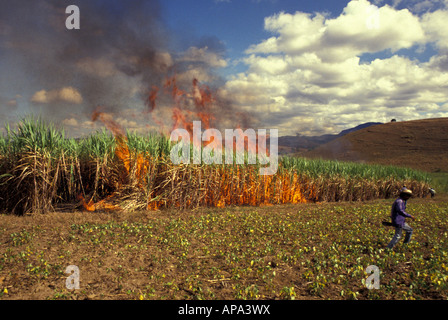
{"x":139,"y":161}
{"x":42,"y":170}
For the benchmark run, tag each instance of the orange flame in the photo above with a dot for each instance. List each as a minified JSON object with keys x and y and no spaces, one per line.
{"x":151,"y":102}
{"x":88,"y":205}
{"x":121,"y":152}
{"x":235,"y":185}
{"x":201,"y":96}
{"x":122,"y":149}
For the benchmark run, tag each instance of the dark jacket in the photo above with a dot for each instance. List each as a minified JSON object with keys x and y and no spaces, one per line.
{"x":398,"y":213}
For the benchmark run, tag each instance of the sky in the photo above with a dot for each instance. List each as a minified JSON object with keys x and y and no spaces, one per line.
{"x":302,"y":67}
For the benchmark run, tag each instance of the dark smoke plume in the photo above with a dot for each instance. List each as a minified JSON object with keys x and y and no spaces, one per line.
{"x":121,"y":51}
{"x":126,"y":35}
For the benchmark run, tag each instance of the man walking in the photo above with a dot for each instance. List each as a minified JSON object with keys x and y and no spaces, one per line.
{"x":399,"y":216}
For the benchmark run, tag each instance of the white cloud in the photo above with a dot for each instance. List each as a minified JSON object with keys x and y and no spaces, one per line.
{"x":298,"y":32}
{"x":12,"y":103}
{"x":40,"y":97}
{"x":361,"y":28}
{"x":70,"y":94}
{"x":204,"y":55}
{"x":309,"y":76}
{"x":198,"y":63}
{"x":125,"y":123}
{"x":66,"y":94}
{"x":70,"y":122}
{"x":435,"y":24}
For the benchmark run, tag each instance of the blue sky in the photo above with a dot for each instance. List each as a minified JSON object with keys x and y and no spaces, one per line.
{"x":309,"y":67}
{"x":240,"y":23}
{"x":237,"y":23}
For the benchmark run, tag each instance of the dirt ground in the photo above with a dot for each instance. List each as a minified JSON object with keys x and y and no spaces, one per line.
{"x":305,"y":251}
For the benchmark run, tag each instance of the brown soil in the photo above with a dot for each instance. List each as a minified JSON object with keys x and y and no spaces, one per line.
{"x":230,"y":253}
{"x":419,"y":144}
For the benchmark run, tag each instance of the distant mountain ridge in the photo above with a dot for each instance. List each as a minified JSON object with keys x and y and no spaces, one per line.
{"x":361,"y":126}
{"x":292,"y":144}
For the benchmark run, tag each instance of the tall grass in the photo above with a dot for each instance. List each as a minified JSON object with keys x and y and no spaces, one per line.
{"x":318,"y":167}
{"x":331,"y":180}
{"x":40,"y":167}
{"x":42,"y":170}
{"x":439,"y":180}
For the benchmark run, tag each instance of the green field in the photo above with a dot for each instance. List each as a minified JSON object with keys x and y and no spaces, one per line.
{"x":440,"y":181}
{"x":302,"y":251}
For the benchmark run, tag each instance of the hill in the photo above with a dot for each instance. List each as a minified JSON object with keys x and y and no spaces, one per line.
{"x":291,"y":144}
{"x":418,"y":144}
